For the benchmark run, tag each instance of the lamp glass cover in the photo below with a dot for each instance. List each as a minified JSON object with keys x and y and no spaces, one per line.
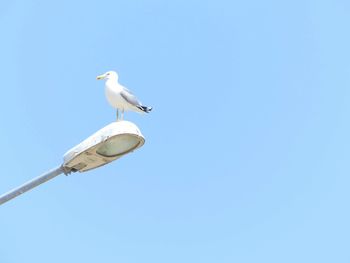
{"x":118,"y":145}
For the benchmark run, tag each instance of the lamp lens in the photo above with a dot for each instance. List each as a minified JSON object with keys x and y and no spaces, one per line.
{"x":118,"y":145}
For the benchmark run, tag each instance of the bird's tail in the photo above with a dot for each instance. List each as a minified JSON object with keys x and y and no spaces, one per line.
{"x":145,"y":109}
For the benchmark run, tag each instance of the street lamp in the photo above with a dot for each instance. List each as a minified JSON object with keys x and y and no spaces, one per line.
{"x":106,"y":145}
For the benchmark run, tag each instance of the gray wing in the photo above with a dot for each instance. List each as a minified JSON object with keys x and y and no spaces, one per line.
{"x":130,"y":98}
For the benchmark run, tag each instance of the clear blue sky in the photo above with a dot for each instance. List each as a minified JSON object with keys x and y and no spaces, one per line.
{"x":247,"y":148}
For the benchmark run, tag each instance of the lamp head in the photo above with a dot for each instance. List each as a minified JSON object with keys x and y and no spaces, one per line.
{"x":106,"y":145}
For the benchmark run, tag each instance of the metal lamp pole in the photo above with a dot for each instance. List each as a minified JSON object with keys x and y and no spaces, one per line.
{"x":31,"y":184}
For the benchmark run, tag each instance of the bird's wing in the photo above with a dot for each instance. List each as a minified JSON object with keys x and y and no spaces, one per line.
{"x":130,"y":98}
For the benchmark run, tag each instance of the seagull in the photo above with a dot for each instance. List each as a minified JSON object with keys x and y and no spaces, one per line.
{"x":120,"y":97}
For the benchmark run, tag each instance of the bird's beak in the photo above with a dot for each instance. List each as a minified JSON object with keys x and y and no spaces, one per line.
{"x":101,"y":77}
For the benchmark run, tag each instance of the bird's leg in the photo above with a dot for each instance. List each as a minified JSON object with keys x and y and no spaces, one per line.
{"x":123,"y":114}
{"x":117,"y":114}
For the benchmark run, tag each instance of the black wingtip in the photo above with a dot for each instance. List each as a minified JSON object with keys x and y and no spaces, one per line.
{"x":145,"y":109}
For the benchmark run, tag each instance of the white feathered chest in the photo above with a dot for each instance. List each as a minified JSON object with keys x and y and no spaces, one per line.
{"x":114,"y":98}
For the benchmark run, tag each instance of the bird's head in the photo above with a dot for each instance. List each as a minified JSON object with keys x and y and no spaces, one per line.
{"x":108,"y":75}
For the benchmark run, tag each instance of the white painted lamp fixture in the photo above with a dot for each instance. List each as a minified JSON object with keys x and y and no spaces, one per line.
{"x":106,"y":145}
